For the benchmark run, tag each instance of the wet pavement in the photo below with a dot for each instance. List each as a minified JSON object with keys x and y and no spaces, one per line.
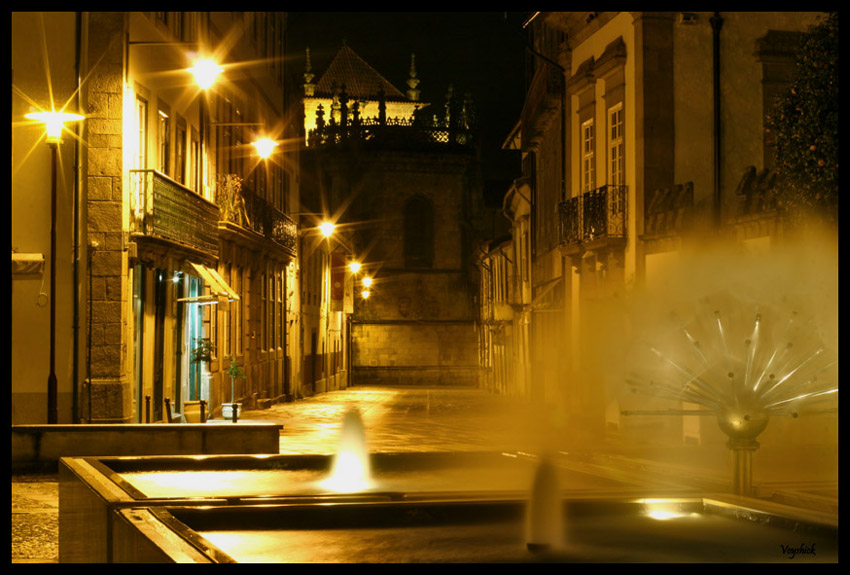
{"x":401,"y":419}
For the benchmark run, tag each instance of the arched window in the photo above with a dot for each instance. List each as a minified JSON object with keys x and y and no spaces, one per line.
{"x":418,"y":232}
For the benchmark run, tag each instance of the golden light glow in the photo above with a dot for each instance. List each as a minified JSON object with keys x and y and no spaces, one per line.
{"x":54,"y":123}
{"x":367,"y":281}
{"x":205,"y":72}
{"x":264,"y":147}
{"x":664,"y":509}
{"x":354,"y":267}
{"x":350,"y":474}
{"x":365,"y":294}
{"x":327,"y":229}
{"x":351,"y":470}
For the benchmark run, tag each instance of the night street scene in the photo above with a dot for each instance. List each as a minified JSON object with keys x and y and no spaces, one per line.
{"x":424,"y":287}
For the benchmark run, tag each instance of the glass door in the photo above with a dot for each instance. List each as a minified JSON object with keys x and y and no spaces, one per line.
{"x":192,"y":330}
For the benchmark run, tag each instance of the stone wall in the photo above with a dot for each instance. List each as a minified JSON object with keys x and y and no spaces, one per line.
{"x":111,"y":397}
{"x":415,"y":353}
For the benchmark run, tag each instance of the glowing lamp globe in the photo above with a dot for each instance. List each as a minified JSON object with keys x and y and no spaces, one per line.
{"x":205,"y":73}
{"x":54,"y":123}
{"x":264,"y":147}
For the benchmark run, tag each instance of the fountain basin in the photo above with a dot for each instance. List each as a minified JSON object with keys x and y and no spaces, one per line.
{"x":93,"y":489}
{"x":600,"y":529}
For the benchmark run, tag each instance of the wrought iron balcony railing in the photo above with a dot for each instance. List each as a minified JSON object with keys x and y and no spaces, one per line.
{"x":393,"y":132}
{"x":242,"y":207}
{"x":162,"y":209}
{"x":599,"y":214}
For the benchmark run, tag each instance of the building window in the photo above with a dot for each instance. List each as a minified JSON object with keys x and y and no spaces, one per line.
{"x":264,"y":302}
{"x":588,"y":162}
{"x":279,"y":312}
{"x":271,"y":336}
{"x":178,"y":26}
{"x":142,"y":133}
{"x":419,"y":232}
{"x":616,"y":160}
{"x":195,"y":172}
{"x":180,"y":152}
{"x":163,"y":141}
{"x":238,"y":308}
{"x":226,"y":317}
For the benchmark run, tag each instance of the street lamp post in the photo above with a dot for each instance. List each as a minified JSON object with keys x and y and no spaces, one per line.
{"x":54,"y":124}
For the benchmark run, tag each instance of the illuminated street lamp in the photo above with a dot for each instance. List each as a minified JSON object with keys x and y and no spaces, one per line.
{"x":54,"y":123}
{"x":354,"y":267}
{"x":205,"y":72}
{"x":367,"y":281}
{"x":327,"y":229}
{"x":264,"y":147}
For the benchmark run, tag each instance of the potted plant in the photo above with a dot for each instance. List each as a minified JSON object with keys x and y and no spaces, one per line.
{"x":234,"y":371}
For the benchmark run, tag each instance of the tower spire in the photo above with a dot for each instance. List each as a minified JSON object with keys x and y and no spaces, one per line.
{"x":413,"y":81}
{"x":309,"y":86}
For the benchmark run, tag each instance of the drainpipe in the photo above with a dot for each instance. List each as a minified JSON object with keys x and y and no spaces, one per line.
{"x":716,"y":25}
{"x":76,"y":264}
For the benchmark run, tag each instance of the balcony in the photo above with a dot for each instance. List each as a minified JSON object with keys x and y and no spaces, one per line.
{"x":242,"y":210}
{"x":593,"y":220}
{"x":164,"y":211}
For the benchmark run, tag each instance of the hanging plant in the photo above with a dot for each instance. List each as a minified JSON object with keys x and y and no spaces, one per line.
{"x":203,"y":350}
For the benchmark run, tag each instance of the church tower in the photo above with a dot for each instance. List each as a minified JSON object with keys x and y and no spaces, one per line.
{"x":398,"y":177}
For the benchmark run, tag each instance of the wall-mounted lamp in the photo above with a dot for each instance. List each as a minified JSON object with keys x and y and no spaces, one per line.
{"x":205,"y":72}
{"x":327,"y":229}
{"x":264,"y":147}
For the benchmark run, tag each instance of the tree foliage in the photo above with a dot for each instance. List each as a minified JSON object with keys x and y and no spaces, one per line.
{"x":804,"y":125}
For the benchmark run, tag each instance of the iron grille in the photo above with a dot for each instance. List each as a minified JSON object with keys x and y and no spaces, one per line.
{"x":597,"y":214}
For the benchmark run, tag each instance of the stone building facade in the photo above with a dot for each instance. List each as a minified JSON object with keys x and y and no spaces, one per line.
{"x":180,"y":232}
{"x":402,"y":191}
{"x":642,"y":138}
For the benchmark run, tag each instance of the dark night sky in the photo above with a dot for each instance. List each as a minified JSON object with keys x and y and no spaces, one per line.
{"x":479,"y":52}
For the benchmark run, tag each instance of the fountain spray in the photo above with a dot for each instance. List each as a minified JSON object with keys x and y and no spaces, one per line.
{"x":544,"y":520}
{"x":351,"y":470}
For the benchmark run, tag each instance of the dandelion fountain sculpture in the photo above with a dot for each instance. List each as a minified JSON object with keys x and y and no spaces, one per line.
{"x":743,"y":363}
